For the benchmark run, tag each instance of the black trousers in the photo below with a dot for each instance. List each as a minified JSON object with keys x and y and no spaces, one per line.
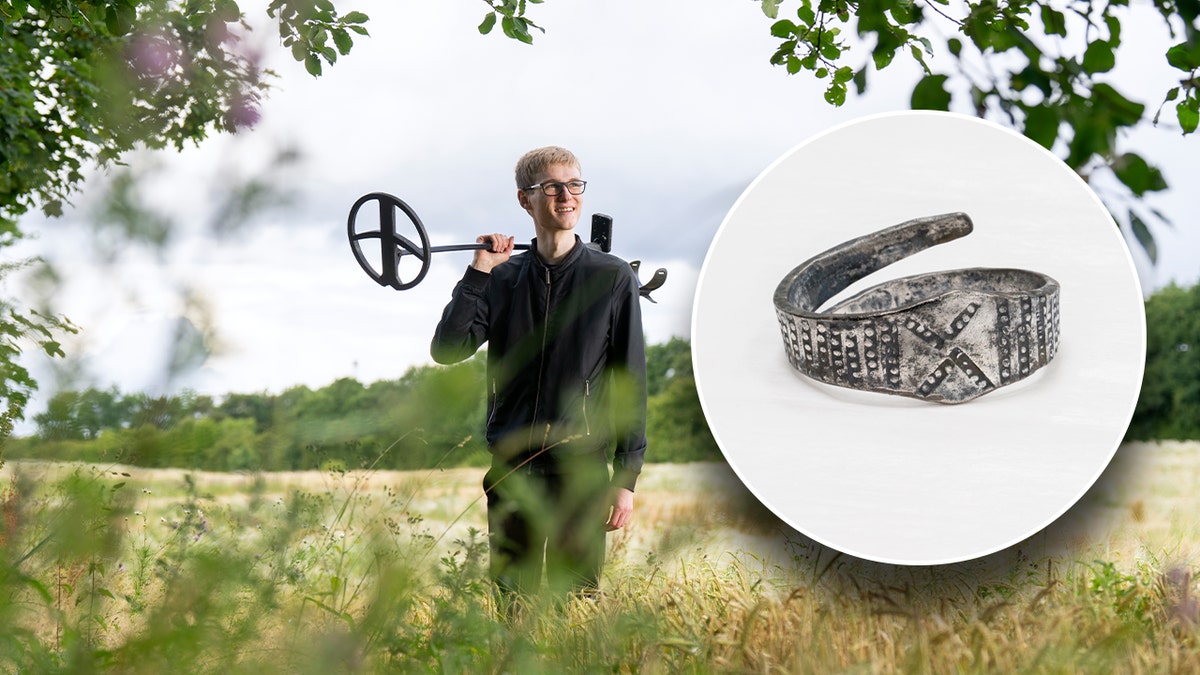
{"x":555,"y":515}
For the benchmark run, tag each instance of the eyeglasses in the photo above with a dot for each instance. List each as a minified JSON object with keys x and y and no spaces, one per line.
{"x":555,"y":188}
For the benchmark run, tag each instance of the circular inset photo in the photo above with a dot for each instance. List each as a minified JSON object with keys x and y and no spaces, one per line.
{"x":918,"y":338}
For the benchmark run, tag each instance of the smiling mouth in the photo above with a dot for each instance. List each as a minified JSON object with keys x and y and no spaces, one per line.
{"x":568,"y":209}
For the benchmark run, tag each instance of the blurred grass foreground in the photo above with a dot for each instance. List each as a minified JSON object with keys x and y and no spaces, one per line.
{"x":122,"y":569}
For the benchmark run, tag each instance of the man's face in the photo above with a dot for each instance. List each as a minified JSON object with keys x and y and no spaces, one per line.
{"x":557,"y":213}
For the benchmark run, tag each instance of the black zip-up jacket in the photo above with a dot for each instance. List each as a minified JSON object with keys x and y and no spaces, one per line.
{"x":566,"y":357}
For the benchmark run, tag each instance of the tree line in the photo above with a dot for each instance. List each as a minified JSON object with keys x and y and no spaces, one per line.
{"x":431,"y":416}
{"x":1169,"y":403}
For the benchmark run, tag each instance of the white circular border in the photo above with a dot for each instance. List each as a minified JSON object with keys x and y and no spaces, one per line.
{"x":897,"y":480}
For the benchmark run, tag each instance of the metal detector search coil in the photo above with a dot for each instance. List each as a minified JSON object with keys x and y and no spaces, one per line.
{"x":948,"y":337}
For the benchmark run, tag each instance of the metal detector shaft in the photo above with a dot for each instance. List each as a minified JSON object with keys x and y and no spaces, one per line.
{"x":459,"y":247}
{"x":393,"y":245}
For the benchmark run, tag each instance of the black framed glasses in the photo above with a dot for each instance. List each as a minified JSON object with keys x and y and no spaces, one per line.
{"x":554,"y":188}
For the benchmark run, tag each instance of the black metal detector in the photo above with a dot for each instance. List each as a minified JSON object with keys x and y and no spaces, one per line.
{"x":393,"y":246}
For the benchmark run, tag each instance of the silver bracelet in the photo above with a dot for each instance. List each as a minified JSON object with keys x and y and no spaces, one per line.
{"x":941,"y":336}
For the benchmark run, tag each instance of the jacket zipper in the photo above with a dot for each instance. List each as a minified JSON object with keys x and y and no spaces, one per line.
{"x":537,"y":398}
{"x":587,"y":391}
{"x":492,"y":417}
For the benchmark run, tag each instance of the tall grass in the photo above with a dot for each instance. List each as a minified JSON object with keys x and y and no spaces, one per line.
{"x":110,"y":569}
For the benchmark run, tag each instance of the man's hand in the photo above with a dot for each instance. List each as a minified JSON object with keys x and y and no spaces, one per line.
{"x":501,"y":249}
{"x":620,"y":502}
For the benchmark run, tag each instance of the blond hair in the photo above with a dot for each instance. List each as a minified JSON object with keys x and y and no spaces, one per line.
{"x":536,"y":161}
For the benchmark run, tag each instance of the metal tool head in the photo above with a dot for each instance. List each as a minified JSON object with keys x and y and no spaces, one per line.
{"x":393,"y":246}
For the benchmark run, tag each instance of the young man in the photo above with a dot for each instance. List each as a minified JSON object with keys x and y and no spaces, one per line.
{"x":566,"y":381}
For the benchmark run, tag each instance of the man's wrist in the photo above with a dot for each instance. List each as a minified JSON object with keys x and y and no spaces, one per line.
{"x":475,"y":277}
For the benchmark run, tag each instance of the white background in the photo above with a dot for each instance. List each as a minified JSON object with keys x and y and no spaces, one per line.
{"x":895,"y":479}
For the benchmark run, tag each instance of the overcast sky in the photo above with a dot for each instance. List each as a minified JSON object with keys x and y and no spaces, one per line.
{"x":672,"y":108}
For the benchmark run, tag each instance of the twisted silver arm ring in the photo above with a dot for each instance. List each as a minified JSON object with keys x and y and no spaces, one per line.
{"x":947,"y":336}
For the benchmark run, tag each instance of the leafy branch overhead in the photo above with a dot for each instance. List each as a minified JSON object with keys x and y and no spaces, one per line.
{"x":307,"y":27}
{"x":511,"y":16}
{"x":1055,"y":83}
{"x":1041,"y":67}
{"x":85,"y":82}
{"x":82,"y":82}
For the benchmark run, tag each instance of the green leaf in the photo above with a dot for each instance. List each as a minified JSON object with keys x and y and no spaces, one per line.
{"x":836,"y":94}
{"x":1144,"y":237}
{"x":521,"y":30}
{"x":1184,"y":56}
{"x":1114,"y":30}
{"x":1188,"y":112}
{"x":489,"y":22}
{"x":920,"y":57}
{"x":1124,"y":113}
{"x":1137,"y":174}
{"x":770,"y":8}
{"x":228,"y":11}
{"x":1090,"y":136}
{"x":860,"y":80}
{"x":355,"y":17}
{"x":882,"y":58}
{"x":793,"y":64}
{"x":1033,"y":76}
{"x":954,"y":45}
{"x":1041,"y":125}
{"x":843,"y":75}
{"x":930,"y":94}
{"x":783,"y":28}
{"x":1053,"y":21}
{"x":806,"y":15}
{"x":312,"y":63}
{"x":342,"y":39}
{"x":110,"y":21}
{"x":1098,"y":58}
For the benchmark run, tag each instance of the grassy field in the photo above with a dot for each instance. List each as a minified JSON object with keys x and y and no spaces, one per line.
{"x":113,"y":568}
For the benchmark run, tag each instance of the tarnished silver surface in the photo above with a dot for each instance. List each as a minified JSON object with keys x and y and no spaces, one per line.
{"x":947,"y":336}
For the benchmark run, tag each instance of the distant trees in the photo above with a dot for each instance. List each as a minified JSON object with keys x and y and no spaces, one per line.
{"x":1169,"y":403}
{"x":431,"y":416}
{"x":676,"y":428}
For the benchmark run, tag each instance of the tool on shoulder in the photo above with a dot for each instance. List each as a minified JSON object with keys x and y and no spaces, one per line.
{"x":395,"y":246}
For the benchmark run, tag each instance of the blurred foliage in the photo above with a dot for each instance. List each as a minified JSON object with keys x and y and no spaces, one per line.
{"x":432,"y":416}
{"x":19,"y":325}
{"x":84,"y":82}
{"x":676,"y":429}
{"x":109,"y":570}
{"x":1169,"y":403}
